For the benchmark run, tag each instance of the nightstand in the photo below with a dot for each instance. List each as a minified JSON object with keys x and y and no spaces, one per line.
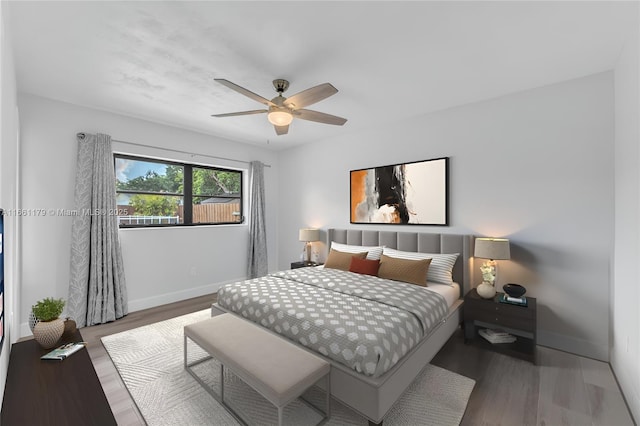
{"x":296,"y":265}
{"x":490,"y":313}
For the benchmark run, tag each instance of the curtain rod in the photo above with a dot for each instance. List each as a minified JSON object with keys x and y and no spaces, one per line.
{"x":82,"y":136}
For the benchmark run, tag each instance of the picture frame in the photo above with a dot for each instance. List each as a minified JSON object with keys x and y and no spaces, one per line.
{"x":414,"y":193}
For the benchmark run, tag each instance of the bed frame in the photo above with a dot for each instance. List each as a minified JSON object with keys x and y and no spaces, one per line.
{"x":373,"y":397}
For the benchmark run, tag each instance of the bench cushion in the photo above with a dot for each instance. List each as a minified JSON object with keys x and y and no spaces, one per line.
{"x":276,"y":368}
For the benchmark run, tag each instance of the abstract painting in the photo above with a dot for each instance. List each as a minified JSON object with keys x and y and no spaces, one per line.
{"x":407,"y":194}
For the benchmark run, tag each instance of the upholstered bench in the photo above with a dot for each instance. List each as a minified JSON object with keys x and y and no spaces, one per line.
{"x":275,"y":368}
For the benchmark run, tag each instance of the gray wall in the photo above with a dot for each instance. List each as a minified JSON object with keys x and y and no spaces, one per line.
{"x":625,"y":337}
{"x":535,"y":167}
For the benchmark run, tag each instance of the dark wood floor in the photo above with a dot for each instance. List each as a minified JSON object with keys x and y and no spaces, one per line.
{"x":563,"y":389}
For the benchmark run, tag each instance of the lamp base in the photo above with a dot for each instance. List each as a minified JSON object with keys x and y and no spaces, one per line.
{"x":307,"y":249}
{"x":486,"y":290}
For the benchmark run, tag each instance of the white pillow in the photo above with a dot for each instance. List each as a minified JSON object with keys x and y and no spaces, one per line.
{"x":440,"y":269}
{"x":373,"y":252}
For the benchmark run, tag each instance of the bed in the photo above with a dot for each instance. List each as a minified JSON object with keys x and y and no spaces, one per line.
{"x":366,"y":382}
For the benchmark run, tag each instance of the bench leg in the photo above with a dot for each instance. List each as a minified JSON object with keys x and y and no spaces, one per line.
{"x":188,"y":366}
{"x":219,"y":398}
{"x":222,"y":382}
{"x":327,"y":411}
{"x":230,"y":410}
{"x":328,"y":395}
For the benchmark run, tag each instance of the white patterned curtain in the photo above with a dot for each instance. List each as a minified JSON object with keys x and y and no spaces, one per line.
{"x":97,"y":287}
{"x":258,"y":265}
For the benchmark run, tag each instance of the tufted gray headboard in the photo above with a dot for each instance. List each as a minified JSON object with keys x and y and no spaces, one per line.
{"x":420,"y":242}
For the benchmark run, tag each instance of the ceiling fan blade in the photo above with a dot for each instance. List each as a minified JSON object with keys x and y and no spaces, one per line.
{"x":320,"y":117}
{"x":282,"y":130}
{"x":242,"y":90}
{"x":232,"y":114}
{"x":310,"y":96}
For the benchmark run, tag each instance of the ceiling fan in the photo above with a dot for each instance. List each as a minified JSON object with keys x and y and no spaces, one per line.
{"x":282,"y":110}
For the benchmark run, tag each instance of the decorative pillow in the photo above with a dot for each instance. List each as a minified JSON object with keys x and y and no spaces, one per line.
{"x":440,"y":270}
{"x":341,"y":260}
{"x":408,"y":271}
{"x":364,"y":266}
{"x":373,"y":252}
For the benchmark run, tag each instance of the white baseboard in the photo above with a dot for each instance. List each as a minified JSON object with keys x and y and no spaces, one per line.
{"x":176,"y":296}
{"x":161,"y":299}
{"x":573,"y":345}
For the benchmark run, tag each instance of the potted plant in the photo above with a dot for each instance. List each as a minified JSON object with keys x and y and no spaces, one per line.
{"x":49,"y":328}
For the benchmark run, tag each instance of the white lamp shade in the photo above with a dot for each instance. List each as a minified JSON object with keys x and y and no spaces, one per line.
{"x":280,"y":118}
{"x":492,"y":248}
{"x":309,"y":234}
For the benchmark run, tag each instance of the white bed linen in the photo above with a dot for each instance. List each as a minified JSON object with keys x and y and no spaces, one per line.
{"x":450,"y":292}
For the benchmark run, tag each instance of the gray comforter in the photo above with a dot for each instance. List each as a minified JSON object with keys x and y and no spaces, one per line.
{"x":364,"y":322}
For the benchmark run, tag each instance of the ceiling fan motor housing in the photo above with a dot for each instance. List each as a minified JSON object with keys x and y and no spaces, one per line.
{"x":281,"y":85}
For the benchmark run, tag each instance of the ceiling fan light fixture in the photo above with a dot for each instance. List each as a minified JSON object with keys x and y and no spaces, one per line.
{"x":279,"y":117}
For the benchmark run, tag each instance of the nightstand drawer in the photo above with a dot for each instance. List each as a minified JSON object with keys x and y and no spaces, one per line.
{"x":477,"y":307}
{"x":520,"y":323}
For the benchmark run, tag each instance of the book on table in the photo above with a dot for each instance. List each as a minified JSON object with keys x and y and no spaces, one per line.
{"x":496,"y":336}
{"x":64,"y":351}
{"x":519,"y":301}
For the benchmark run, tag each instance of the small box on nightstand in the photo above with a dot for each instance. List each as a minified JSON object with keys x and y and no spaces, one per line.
{"x":296,"y":265}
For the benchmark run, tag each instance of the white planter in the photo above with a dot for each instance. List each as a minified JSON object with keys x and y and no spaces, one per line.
{"x":486,"y":290}
{"x":32,"y":321}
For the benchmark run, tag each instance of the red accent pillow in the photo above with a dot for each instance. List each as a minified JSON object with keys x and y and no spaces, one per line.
{"x":364,"y":266}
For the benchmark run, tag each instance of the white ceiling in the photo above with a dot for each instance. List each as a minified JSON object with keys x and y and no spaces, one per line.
{"x":389,"y":60}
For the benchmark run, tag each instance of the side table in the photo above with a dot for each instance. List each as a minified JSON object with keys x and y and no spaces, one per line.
{"x":519,"y":321}
{"x":39,"y":392}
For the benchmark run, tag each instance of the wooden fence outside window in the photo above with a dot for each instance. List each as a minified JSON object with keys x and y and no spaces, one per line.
{"x":202,"y":213}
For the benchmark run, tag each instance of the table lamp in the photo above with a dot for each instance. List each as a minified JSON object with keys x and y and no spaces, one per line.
{"x":308,"y":235}
{"x":492,"y":249}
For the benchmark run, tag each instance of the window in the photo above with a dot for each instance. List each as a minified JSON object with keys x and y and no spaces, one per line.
{"x":163,"y":193}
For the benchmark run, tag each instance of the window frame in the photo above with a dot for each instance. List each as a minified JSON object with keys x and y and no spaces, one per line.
{"x":187,"y":194}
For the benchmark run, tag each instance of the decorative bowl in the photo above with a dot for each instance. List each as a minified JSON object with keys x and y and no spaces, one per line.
{"x":514,"y":290}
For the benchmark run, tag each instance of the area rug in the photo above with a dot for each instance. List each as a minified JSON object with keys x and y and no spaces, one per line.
{"x":150,"y":362}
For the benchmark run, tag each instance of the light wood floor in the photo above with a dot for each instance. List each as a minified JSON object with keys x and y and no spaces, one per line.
{"x":564,"y":389}
{"x":123,"y":407}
